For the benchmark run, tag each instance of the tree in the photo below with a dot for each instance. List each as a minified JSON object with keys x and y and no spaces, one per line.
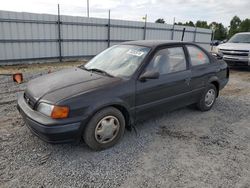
{"x":220,"y":32}
{"x":179,"y":23}
{"x":234,"y":26}
{"x":202,"y":24}
{"x":190,"y":23}
{"x":245,"y":26}
{"x":160,"y":20}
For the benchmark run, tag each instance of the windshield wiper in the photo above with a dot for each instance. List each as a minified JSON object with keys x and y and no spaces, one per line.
{"x":100,"y":71}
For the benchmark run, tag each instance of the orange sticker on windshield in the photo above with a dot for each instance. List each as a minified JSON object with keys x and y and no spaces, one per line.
{"x":200,"y":56}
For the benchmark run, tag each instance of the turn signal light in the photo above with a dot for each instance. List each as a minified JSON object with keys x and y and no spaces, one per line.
{"x":60,"y":112}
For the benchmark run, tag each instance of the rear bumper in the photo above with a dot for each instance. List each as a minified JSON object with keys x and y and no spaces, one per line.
{"x":223,"y":83}
{"x":52,"y":133}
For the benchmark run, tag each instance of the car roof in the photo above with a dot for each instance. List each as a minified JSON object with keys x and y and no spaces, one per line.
{"x":154,"y":43}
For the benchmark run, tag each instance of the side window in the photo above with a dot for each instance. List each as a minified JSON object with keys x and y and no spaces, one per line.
{"x":197,"y":56}
{"x":168,"y":60}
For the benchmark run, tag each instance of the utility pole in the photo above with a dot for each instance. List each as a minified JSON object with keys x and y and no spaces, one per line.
{"x":109,"y":30}
{"x":212,"y":37}
{"x":88,"y":8}
{"x":59,"y":33}
{"x":172,"y":36}
{"x":145,"y":27}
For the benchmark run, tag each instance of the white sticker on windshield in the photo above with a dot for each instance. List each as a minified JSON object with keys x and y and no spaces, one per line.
{"x":135,"y":52}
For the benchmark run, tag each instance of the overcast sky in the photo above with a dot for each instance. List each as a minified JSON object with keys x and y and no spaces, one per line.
{"x":182,"y":10}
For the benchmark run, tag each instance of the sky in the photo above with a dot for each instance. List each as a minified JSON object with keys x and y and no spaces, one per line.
{"x":183,"y":10}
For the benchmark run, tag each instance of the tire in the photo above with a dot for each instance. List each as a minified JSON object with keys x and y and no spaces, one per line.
{"x":205,"y":104}
{"x":104,"y":129}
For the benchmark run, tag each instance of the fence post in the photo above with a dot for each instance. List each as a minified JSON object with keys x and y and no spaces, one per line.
{"x":59,"y":34}
{"x":109,"y":30}
{"x":183,"y":33}
{"x":172,"y":36}
{"x":145,"y":27}
{"x":195,"y":34}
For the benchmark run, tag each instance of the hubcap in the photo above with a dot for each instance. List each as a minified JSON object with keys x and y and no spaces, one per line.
{"x":210,"y":97}
{"x":107,"y":129}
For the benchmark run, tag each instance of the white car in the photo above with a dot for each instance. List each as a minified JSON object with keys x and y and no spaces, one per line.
{"x":236,"y":51}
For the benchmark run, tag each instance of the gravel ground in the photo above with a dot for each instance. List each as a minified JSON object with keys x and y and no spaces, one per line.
{"x":184,"y":148}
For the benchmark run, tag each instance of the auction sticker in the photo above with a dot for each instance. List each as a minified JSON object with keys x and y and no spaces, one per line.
{"x":135,"y":52}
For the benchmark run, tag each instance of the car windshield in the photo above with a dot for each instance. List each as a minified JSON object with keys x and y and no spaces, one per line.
{"x":119,"y":60}
{"x":240,"y":38}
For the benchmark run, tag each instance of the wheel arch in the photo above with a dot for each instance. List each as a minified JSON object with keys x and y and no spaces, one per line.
{"x":119,"y":106}
{"x":215,"y":81}
{"x":125,"y":113}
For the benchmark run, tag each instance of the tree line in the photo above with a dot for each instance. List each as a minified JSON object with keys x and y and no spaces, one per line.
{"x":220,"y":31}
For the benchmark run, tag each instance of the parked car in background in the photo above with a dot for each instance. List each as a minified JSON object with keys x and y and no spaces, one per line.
{"x":215,"y":42}
{"x":118,"y":87}
{"x":236,"y":51}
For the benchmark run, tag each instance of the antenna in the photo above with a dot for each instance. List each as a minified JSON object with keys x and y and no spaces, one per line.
{"x":183,"y":33}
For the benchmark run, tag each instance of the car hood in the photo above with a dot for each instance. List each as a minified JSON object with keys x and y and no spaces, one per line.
{"x":59,"y":85}
{"x":234,"y":46}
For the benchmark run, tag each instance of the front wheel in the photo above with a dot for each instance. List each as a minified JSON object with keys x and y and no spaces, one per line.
{"x":104,"y":129}
{"x":208,"y":98}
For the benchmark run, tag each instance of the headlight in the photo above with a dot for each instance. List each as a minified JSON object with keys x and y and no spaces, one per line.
{"x":55,"y":112}
{"x":216,"y":49}
{"x":45,"y":109}
{"x":220,"y":53}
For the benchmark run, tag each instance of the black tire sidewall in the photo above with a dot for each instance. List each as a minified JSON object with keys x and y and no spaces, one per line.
{"x":201,"y":105}
{"x":89,"y":132}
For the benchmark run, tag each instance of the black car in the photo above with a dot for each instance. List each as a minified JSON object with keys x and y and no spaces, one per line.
{"x":120,"y":86}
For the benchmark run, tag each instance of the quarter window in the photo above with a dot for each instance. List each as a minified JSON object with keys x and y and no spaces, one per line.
{"x":197,"y":56}
{"x":168,"y":60}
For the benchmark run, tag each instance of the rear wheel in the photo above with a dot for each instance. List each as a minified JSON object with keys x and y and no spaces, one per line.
{"x":208,"y":98}
{"x":104,"y":129}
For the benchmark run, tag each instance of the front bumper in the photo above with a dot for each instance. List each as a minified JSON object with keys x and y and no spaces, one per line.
{"x":51,"y":131}
{"x":237,"y":63}
{"x":236,"y":60}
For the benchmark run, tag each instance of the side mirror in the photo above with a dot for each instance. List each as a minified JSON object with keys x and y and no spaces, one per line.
{"x":149,"y":75}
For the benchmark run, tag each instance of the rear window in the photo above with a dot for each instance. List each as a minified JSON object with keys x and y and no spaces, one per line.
{"x":197,"y":56}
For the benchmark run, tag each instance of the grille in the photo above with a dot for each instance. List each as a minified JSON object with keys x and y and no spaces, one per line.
{"x":235,"y":52}
{"x":29,"y":100}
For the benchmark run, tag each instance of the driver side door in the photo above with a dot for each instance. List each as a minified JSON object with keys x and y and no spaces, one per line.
{"x":170,"y":90}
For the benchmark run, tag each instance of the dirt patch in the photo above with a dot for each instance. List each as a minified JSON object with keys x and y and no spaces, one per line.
{"x":238,"y":84}
{"x":234,"y":90}
{"x":38,"y":67}
{"x":165,"y":132}
{"x":205,"y":139}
